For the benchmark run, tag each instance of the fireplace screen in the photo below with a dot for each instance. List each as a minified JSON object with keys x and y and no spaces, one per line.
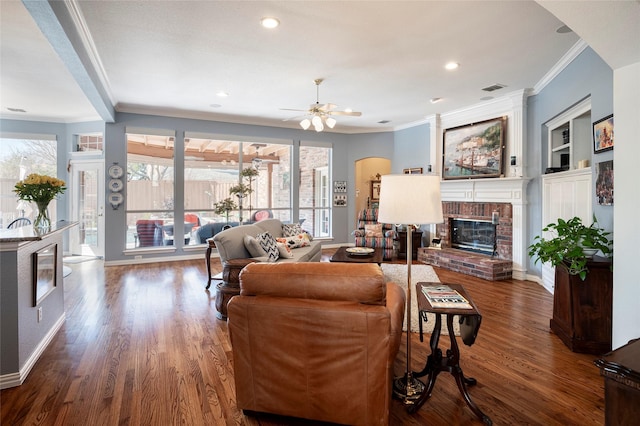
{"x":472,"y":235}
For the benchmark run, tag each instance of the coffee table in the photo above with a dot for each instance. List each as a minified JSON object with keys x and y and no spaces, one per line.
{"x":341,"y":255}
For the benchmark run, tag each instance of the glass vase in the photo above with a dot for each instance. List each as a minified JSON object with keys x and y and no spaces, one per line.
{"x":42,"y":221}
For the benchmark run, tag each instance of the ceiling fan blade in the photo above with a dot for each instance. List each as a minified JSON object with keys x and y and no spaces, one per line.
{"x":291,"y":109}
{"x":352,"y":113}
{"x":297,"y":117}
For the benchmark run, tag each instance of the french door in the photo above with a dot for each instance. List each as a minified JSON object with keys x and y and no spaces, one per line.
{"x":87,"y":207}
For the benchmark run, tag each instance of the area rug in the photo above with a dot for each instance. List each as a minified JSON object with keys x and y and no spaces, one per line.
{"x":419,"y":273}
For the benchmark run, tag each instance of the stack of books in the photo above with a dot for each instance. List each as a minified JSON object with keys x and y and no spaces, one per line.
{"x":443,"y":296}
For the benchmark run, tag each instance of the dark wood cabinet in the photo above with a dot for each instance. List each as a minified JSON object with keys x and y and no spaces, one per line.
{"x":582,"y":310}
{"x":416,"y":241}
{"x":621,"y":372}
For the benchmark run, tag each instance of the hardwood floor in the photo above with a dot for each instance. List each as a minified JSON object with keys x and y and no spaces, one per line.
{"x":141,"y":345}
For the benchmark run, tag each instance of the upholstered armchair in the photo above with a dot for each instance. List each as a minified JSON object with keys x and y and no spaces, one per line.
{"x":316,"y":340}
{"x":370,"y":233}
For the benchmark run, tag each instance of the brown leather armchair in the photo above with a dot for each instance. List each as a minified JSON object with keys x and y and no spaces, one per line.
{"x":316,"y":340}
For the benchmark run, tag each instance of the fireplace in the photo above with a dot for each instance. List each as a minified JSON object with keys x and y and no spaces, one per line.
{"x":476,"y":236}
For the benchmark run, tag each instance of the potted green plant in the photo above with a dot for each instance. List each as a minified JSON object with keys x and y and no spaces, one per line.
{"x":224,"y":207}
{"x":583,"y":285}
{"x":572,"y":245}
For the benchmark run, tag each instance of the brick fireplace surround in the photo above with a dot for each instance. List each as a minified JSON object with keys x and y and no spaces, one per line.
{"x":477,"y":199}
{"x":479,"y":265}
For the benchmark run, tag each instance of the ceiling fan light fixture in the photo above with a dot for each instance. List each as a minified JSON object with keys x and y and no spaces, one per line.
{"x":305,"y":123}
{"x":331,"y":122}
{"x":316,"y":121}
{"x":319,"y":127}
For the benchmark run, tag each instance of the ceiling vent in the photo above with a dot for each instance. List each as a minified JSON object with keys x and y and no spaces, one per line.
{"x":383,"y":121}
{"x":494,"y":87}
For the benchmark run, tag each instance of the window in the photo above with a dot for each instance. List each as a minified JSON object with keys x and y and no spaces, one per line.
{"x":89,"y":143}
{"x":19,"y":158}
{"x":315,"y":190}
{"x":212,"y":168}
{"x":150,"y":190}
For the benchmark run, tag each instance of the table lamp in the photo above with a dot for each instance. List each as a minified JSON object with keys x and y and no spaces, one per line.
{"x":409,"y":199}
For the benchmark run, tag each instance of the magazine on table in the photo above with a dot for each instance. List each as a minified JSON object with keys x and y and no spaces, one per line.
{"x":443,"y":296}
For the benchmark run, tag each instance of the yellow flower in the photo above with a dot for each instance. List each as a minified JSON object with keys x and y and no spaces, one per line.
{"x":39,"y":188}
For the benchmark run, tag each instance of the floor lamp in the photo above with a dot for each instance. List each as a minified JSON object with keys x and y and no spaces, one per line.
{"x":409,"y":199}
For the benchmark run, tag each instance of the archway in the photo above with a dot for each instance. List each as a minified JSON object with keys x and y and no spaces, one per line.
{"x":366,"y":171}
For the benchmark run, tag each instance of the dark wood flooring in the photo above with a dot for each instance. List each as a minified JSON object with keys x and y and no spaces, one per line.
{"x":142,"y":346}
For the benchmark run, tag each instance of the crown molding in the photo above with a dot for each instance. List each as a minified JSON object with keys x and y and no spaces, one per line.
{"x":566,"y":59}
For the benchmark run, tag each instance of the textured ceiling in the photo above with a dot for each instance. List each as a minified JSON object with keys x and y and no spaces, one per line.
{"x":383,"y":58}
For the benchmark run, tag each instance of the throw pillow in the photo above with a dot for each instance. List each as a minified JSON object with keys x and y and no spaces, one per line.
{"x":291,"y":229}
{"x":253,"y":246}
{"x":269,"y":245}
{"x":373,"y":230}
{"x":301,"y":240}
{"x":285,"y":251}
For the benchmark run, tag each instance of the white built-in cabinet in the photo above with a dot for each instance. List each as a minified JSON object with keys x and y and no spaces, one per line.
{"x":568,"y":193}
{"x":565,"y":195}
{"x":569,"y":136}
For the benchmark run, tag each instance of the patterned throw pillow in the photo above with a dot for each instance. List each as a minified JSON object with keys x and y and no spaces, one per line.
{"x":373,"y":230}
{"x":268,"y":244}
{"x":300,"y":240}
{"x":291,"y":229}
{"x":285,"y":251}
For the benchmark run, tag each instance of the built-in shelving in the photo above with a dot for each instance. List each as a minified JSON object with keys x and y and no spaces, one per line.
{"x":569,"y":137}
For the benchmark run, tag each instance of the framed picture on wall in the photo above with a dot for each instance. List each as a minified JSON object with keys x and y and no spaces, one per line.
{"x":375,"y":190}
{"x":604,"y":183}
{"x":474,"y":150}
{"x":603,"y":134}
{"x":44,"y":272}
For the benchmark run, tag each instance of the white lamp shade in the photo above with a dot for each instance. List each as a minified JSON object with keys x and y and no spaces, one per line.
{"x":305,"y":123}
{"x":330,"y":122}
{"x":410,"y":199}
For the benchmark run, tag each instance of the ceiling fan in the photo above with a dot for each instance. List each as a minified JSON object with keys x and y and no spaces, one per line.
{"x":319,"y":114}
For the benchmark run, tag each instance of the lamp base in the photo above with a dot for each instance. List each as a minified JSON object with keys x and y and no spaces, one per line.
{"x":408,"y":389}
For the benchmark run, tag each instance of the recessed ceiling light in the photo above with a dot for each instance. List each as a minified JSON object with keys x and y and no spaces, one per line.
{"x":270,"y":23}
{"x":348,"y":110}
{"x":222,"y":94}
{"x":435,"y":100}
{"x":215,"y":105}
{"x":486,"y":98}
{"x":452,"y":66}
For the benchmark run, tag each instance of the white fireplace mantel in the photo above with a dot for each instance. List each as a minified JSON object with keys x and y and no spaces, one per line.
{"x":497,"y":190}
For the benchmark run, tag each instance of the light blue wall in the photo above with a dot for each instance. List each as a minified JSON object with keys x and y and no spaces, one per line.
{"x":411,"y":148}
{"x":587,"y":75}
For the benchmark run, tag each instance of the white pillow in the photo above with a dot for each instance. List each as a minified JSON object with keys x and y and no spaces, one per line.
{"x":253,"y":246}
{"x":301,"y":240}
{"x":285,"y":251}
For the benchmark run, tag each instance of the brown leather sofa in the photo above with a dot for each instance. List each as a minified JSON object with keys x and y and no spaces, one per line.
{"x":316,"y":340}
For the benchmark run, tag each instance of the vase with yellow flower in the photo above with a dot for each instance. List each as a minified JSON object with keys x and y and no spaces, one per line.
{"x":40,"y":189}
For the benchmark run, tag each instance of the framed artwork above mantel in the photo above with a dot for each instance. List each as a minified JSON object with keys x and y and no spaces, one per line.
{"x":474,"y":150}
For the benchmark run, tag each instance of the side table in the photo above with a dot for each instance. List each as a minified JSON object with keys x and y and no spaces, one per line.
{"x":230,"y":285}
{"x":436,"y":362}
{"x":416,"y":241}
{"x":621,"y":372}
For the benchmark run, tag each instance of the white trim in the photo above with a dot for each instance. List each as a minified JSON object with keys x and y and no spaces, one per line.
{"x":16,"y":379}
{"x":566,"y":59}
{"x":236,"y":138}
{"x":87,"y":41}
{"x":29,"y":136}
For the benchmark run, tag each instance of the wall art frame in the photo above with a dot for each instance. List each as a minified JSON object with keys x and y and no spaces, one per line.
{"x":603,"y":134}
{"x":474,"y":150}
{"x":45,"y":272}
{"x":375,"y":191}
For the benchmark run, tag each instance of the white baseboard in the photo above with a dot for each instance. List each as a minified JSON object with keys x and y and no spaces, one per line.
{"x":16,"y":379}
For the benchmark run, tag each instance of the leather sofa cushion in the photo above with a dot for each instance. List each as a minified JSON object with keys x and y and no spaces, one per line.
{"x":361,"y":283}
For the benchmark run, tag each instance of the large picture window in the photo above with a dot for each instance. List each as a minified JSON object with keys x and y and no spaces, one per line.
{"x":315,"y":189}
{"x":18,"y":159}
{"x":150,"y":189}
{"x":213,"y":178}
